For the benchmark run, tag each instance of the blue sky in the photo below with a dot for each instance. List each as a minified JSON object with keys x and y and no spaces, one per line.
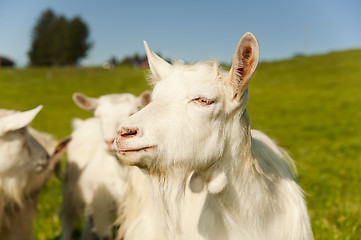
{"x":191,"y":30}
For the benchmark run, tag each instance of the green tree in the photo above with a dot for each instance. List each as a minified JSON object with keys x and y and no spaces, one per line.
{"x":76,"y":40}
{"x":57,"y":41}
{"x":39,"y":54}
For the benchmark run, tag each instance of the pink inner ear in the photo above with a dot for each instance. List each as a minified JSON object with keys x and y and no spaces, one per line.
{"x":246,"y":62}
{"x":146,"y":99}
{"x":83,"y":101}
{"x":240,"y":71}
{"x":86,"y":103}
{"x":247,"y":52}
{"x":60,"y":148}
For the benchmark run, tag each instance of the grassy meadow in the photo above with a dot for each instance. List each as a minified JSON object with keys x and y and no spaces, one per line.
{"x":311,"y":106}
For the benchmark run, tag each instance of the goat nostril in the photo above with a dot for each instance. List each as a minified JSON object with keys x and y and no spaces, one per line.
{"x":128,"y":132}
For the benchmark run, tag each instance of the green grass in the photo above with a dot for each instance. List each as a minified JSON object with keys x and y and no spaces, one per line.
{"x":311,"y":106}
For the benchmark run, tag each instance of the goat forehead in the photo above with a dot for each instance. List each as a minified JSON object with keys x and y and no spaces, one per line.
{"x":14,"y":136}
{"x":19,"y":139}
{"x":111,"y":99}
{"x":188,"y":84}
{"x":107,"y":107}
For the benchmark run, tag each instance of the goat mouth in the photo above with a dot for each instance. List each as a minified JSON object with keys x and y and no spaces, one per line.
{"x":129,"y":151}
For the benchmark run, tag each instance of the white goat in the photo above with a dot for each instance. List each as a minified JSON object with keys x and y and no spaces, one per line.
{"x":25,"y":166}
{"x":94,"y":180}
{"x":197,"y":125}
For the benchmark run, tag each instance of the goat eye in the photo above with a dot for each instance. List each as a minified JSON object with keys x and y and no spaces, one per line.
{"x":203,"y":101}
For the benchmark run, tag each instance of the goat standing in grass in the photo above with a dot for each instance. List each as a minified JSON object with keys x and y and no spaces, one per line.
{"x":25,"y":166}
{"x":212,"y":176}
{"x":94,"y":181}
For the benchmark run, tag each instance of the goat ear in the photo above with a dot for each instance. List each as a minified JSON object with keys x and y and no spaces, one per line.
{"x":244,"y":63}
{"x":56,"y":156}
{"x":18,"y":120}
{"x":61,"y":147}
{"x":85,"y":102}
{"x":144,"y":99}
{"x":158,"y":66}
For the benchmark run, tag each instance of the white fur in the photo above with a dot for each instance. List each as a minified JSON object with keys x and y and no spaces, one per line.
{"x":197,"y":123}
{"x":137,"y":221}
{"x":94,"y":180}
{"x":25,"y":166}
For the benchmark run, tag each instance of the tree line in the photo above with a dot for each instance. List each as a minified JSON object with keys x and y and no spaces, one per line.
{"x":57,"y":41}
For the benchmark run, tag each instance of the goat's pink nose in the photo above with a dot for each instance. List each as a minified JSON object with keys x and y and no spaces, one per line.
{"x":128,"y":132}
